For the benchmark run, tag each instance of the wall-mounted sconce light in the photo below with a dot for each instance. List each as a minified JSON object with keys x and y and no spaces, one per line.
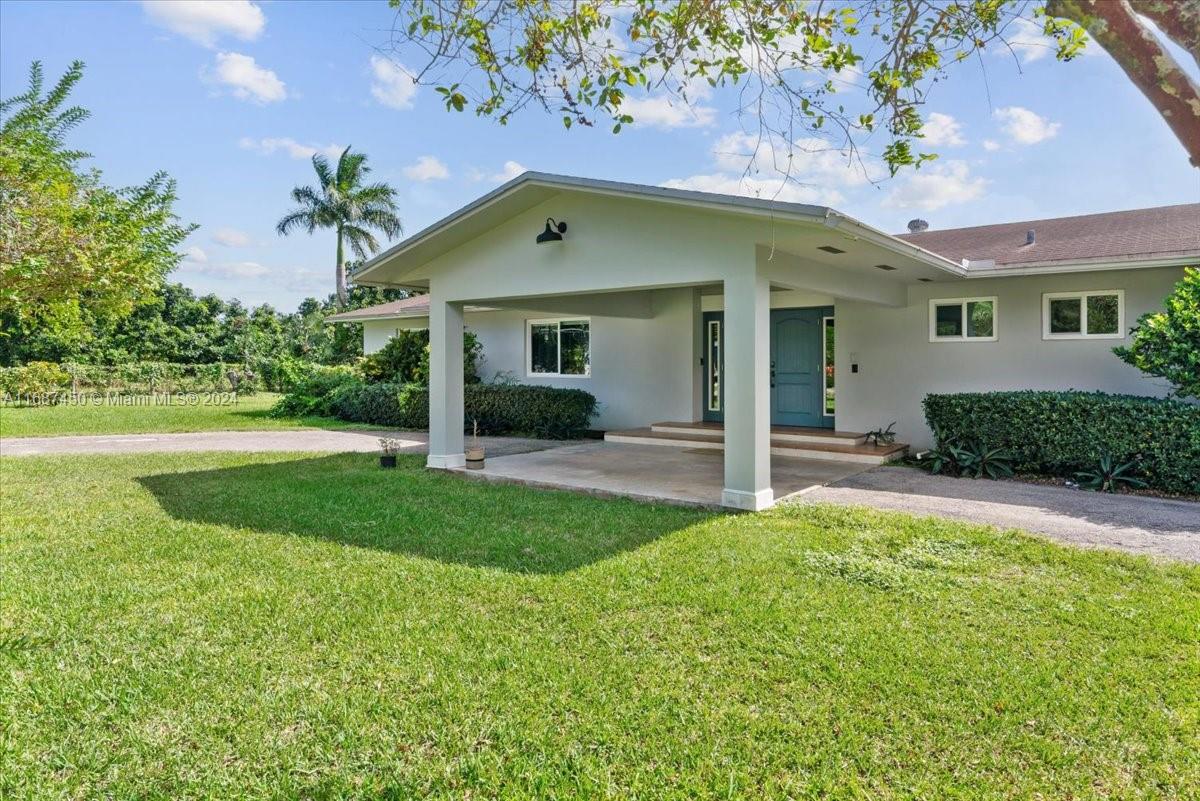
{"x":550,"y":234}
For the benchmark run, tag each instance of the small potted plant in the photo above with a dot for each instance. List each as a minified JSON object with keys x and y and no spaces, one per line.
{"x":475,"y":452}
{"x":389,"y":448}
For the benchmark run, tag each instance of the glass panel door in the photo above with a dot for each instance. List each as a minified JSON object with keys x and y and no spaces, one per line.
{"x":714,"y":366}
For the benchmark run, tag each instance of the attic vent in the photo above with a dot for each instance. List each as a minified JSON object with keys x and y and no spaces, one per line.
{"x":886,"y":267}
{"x":1030,"y":236}
{"x":917,"y":225}
{"x":830,"y":249}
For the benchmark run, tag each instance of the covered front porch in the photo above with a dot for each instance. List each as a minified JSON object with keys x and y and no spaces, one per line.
{"x":690,"y":476}
{"x":643,"y":272}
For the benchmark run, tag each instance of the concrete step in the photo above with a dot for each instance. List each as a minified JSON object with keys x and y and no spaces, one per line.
{"x":781,"y":433}
{"x":840,"y":451}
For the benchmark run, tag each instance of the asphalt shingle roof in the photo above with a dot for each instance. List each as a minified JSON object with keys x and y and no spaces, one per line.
{"x":1120,"y":235}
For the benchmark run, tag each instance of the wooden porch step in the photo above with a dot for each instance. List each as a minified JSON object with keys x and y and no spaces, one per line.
{"x":845,"y":451}
{"x":782,"y":433}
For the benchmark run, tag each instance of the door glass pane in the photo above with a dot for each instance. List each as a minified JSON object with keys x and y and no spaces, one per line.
{"x":543,"y":348}
{"x":1064,"y":316}
{"x":980,"y":318}
{"x":714,"y":365}
{"x":574,"y":341}
{"x":829,"y":405}
{"x":949,"y":320}
{"x":1102,"y":314}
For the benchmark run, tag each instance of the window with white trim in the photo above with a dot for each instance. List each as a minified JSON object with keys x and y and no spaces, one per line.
{"x":962,"y":319}
{"x":560,"y":347}
{"x":1098,"y":314}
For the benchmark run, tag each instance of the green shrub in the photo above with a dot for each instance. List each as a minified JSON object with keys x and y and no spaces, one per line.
{"x":314,"y":393}
{"x":35,"y":383}
{"x":1061,"y":433}
{"x":401,"y":359}
{"x":547,"y":412}
{"x":1167,"y":343}
{"x":405,"y":359}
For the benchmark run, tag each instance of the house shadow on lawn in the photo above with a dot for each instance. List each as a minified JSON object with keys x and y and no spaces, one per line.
{"x":347,"y":498}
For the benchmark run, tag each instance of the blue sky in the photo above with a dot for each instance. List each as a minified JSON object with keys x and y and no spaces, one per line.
{"x":232,"y":102}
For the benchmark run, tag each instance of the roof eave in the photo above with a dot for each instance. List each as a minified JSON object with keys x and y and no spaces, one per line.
{"x":1084,"y":265}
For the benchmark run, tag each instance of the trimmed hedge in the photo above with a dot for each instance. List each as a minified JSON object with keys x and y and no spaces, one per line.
{"x":547,"y":412}
{"x":1058,"y":433}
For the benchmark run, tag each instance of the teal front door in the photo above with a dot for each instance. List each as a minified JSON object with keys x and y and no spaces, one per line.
{"x":797,"y":367}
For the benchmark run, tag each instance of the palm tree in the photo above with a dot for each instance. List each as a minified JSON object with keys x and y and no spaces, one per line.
{"x":341,"y":201}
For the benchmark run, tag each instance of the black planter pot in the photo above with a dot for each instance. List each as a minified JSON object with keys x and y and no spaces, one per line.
{"x":387,"y":460}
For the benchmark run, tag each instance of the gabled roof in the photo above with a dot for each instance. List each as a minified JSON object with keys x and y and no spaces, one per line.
{"x":531,"y":188}
{"x":1163,"y":233}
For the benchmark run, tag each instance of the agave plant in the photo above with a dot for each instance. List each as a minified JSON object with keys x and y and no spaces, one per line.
{"x":1108,"y":475}
{"x":984,"y":460}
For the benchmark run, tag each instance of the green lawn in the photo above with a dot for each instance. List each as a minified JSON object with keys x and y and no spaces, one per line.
{"x":249,"y":412}
{"x":301,"y":626}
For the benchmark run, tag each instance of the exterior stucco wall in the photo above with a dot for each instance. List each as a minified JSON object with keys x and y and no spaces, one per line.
{"x":643,"y":370}
{"x":898,"y":365}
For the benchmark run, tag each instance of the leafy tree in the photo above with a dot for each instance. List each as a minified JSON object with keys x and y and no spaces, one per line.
{"x":1167,"y":343}
{"x":584,"y":59}
{"x":74,"y":253}
{"x":342,"y":202}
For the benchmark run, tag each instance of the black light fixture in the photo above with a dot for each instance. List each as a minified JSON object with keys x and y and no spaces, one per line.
{"x":550,"y":234}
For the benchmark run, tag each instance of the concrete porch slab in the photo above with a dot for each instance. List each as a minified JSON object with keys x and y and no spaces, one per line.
{"x":691,"y":476}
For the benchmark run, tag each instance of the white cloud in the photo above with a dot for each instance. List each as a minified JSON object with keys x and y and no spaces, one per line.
{"x":247,"y":79}
{"x":991,"y":145}
{"x":204,"y":21}
{"x":664,"y":112}
{"x":198,"y":264}
{"x":766,"y":189}
{"x":1024,"y":126}
{"x":1029,"y":41}
{"x":933,"y":187}
{"x":231,"y":237}
{"x":393,"y":84}
{"x":808,"y":160}
{"x":511,"y":170}
{"x":942,"y":130}
{"x":290,"y":146}
{"x":195,"y":255}
{"x":808,"y":170}
{"x":427,"y":168}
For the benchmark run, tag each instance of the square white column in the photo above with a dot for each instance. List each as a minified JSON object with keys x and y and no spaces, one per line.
{"x":446,"y":423}
{"x":747,"y":392}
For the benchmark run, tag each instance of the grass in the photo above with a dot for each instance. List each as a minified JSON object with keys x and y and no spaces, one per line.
{"x":301,"y":626}
{"x":249,"y":413}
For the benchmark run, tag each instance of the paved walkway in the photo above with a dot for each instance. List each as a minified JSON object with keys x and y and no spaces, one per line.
{"x":252,"y":441}
{"x":1133,"y":523}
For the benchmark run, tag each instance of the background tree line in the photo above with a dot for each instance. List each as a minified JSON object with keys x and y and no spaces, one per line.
{"x":84,"y":266}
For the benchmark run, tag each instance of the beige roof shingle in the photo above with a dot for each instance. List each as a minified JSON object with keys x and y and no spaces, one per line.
{"x":1160,"y":232}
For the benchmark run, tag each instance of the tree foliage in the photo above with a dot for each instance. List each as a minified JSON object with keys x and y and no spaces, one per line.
{"x":72,"y":250}
{"x":792,"y":61}
{"x":1167,"y":343}
{"x":848,"y":72}
{"x":341,"y":201}
{"x":179,"y":327}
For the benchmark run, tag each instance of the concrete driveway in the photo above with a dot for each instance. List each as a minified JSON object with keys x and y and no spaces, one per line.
{"x":1134,"y":523}
{"x":252,"y":441}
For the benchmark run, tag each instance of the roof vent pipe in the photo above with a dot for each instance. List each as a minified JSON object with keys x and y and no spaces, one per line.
{"x":917,"y":225}
{"x":1030,"y":236}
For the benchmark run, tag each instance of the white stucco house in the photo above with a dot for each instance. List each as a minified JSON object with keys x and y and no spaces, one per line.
{"x":759,"y":326}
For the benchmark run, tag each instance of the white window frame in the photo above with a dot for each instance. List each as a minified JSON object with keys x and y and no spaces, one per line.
{"x":825,"y":321}
{"x":1082,"y":296}
{"x":529,"y":324}
{"x":963,"y":337}
{"x":713,"y":364}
